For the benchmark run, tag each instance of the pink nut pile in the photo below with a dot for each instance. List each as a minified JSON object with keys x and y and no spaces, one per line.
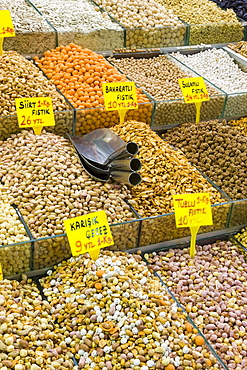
{"x":213,"y":289}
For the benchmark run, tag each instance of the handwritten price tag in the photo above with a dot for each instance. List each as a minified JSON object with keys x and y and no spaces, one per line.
{"x":35,"y":113}
{"x":89,"y":233}
{"x":6,"y":24}
{"x":192,"y":210}
{"x":194,"y":90}
{"x":120,"y":95}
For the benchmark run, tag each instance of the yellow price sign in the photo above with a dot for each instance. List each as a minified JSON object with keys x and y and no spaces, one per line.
{"x":35,"y":112}
{"x":6,"y":24}
{"x":192,"y":210}
{"x":89,"y":233}
{"x":1,"y":272}
{"x":194,"y":90}
{"x":120,"y":96}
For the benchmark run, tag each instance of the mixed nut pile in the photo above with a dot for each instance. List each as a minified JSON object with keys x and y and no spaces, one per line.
{"x":212,"y":287}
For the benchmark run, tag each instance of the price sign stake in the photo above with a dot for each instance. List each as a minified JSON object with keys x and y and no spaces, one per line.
{"x":89,"y":233}
{"x":6,"y":27}
{"x":194,"y":90}
{"x":192,"y":210}
{"x":35,"y":113}
{"x":1,"y":272}
{"x":120,"y":96}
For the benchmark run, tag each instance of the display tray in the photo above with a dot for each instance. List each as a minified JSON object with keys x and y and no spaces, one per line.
{"x":236,"y":103}
{"x":191,"y":309}
{"x":176,"y":111}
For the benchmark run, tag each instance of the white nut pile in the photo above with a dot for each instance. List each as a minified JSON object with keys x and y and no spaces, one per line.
{"x":27,"y":23}
{"x":151,"y":24}
{"x":13,"y":259}
{"x":29,"y":340}
{"x":81,"y":22}
{"x":218,"y":67}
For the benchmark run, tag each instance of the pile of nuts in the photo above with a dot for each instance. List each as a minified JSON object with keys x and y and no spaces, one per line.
{"x":47,"y":182}
{"x":82,"y":23}
{"x":218,"y":150}
{"x":79,"y":74}
{"x":242,"y":237}
{"x":20,"y":78}
{"x":158,"y":76}
{"x":28,"y":24}
{"x":218,"y":67}
{"x":14,"y":259}
{"x":240,"y":124}
{"x":29,"y":339}
{"x":115,"y":314}
{"x":148,"y":23}
{"x":164,"y":172}
{"x":240,"y":48}
{"x":212,"y":287}
{"x":208,"y":23}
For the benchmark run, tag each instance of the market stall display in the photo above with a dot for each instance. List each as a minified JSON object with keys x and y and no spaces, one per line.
{"x":208,"y":24}
{"x":34,"y":34}
{"x":47,"y":182}
{"x":29,"y":338}
{"x":147,"y":23}
{"x":83,"y":23}
{"x":221,"y":69}
{"x":117,"y":315}
{"x":158,"y":76}
{"x":79,"y":74}
{"x":14,"y":258}
{"x":218,"y":150}
{"x":20,"y":78}
{"x":212,"y":288}
{"x":165,"y":172}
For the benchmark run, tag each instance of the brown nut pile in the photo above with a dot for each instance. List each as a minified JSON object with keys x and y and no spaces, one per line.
{"x":48,"y":183}
{"x":218,"y":150}
{"x":116,"y":315}
{"x":240,"y":48}
{"x":20,"y":78}
{"x":29,"y":340}
{"x":213,"y":289}
{"x":165,"y":172}
{"x":240,"y":124}
{"x":158,"y":76}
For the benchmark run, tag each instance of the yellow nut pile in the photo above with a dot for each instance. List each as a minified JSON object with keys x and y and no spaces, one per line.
{"x":165,"y":172}
{"x":209,"y":23}
{"x":13,"y":259}
{"x":29,"y":339}
{"x":240,"y":48}
{"x":116,"y":315}
{"x":242,"y":237}
{"x":240,"y":124}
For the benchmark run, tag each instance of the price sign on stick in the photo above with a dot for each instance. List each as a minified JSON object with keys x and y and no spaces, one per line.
{"x":6,"y":27}
{"x":192,"y":210}
{"x":35,"y":113}
{"x":89,"y":233}
{"x":120,"y":96}
{"x":194,"y":90}
{"x":1,"y":272}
